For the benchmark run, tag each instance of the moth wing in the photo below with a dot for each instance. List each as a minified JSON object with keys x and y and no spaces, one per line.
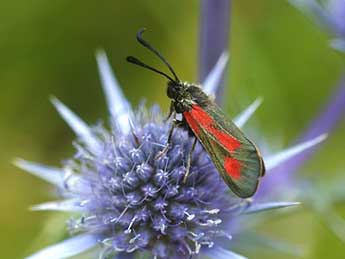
{"x":235,"y":157}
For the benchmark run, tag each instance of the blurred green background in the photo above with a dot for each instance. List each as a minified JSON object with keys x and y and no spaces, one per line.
{"x":47,"y":48}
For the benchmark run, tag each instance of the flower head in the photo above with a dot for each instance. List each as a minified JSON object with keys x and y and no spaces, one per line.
{"x":137,"y":202}
{"x":129,"y":201}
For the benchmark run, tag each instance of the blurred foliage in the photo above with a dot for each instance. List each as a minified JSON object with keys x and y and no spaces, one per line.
{"x":47,"y":48}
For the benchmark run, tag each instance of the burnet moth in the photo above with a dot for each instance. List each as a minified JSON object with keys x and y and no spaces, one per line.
{"x":236,"y":158}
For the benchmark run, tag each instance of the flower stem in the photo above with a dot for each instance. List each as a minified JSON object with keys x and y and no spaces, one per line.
{"x":214,"y":37}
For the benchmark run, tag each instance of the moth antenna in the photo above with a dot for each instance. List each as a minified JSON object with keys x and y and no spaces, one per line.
{"x":147,"y":45}
{"x":139,"y":63}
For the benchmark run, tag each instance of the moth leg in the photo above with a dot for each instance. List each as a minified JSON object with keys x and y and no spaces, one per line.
{"x":171,"y":112}
{"x":175,"y":124}
{"x":189,"y":160}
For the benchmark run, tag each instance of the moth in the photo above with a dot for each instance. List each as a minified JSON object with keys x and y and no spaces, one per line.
{"x":236,"y":158}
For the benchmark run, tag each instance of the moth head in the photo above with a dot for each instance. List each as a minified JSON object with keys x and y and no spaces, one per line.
{"x":174,"y":89}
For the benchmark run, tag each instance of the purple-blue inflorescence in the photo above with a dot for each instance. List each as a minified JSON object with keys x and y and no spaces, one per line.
{"x":137,"y":202}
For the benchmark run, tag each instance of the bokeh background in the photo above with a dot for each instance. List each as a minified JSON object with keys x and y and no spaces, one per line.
{"x":47,"y":48}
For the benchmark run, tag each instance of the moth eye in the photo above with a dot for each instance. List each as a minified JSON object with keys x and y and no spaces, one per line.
{"x":171,"y":92}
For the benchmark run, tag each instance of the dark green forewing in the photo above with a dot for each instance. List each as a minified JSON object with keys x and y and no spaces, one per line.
{"x":235,"y":156}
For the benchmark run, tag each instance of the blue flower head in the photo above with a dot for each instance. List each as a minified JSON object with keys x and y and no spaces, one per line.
{"x":129,"y":201}
{"x":137,"y":202}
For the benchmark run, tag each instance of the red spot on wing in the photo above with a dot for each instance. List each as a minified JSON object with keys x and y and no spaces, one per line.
{"x":197,"y":116}
{"x":232,"y":167}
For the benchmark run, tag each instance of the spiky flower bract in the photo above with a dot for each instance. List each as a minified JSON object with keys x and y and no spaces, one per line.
{"x":330,"y":15}
{"x":129,"y":201}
